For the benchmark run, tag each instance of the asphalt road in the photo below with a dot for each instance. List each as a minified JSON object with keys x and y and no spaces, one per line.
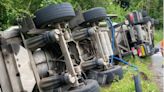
{"x":157,"y":66}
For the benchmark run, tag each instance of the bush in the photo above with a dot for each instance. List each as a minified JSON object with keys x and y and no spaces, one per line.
{"x":10,"y":10}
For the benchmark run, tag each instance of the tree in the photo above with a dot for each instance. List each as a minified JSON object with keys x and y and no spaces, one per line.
{"x":10,"y":10}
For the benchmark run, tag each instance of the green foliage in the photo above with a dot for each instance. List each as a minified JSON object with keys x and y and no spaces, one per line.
{"x":10,"y":10}
{"x":158,"y":36}
{"x":154,"y":8}
{"x":48,"y":2}
{"x":127,"y":83}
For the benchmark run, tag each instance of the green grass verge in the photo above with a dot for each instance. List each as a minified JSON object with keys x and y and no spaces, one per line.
{"x":158,"y":36}
{"x":127,"y":83}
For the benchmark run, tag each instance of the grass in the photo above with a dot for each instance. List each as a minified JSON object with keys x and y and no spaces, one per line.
{"x":127,"y":83}
{"x":158,"y":36}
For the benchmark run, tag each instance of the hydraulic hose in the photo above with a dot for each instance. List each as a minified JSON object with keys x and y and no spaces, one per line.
{"x":110,"y":26}
{"x":127,"y":63}
{"x":136,"y":77}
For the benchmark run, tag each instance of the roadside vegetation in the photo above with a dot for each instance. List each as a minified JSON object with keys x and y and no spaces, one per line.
{"x":158,"y":36}
{"x":146,"y":75}
{"x":127,"y":83}
{"x":11,"y":10}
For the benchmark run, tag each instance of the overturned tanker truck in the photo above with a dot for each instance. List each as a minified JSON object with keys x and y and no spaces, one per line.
{"x":49,"y":53}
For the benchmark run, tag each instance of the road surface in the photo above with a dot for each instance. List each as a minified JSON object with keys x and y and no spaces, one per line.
{"x":158,"y":69}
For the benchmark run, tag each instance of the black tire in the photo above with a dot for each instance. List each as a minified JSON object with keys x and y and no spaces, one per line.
{"x":94,"y":15}
{"x":154,"y":21}
{"x":146,"y":19}
{"x":54,"y":13}
{"x":90,"y":86}
{"x":112,"y":73}
{"x":144,"y":13}
{"x":108,"y":76}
